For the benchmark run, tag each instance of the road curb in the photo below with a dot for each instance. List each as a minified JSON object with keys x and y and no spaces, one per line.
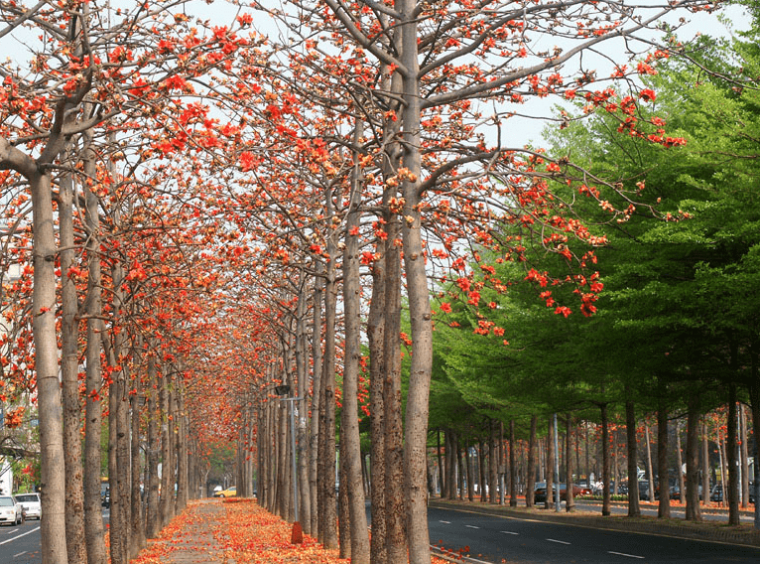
{"x":743,"y":535}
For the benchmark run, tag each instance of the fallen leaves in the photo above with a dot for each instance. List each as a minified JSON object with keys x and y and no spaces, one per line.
{"x":243,"y":532}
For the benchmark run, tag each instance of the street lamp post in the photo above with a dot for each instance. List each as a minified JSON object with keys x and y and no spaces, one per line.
{"x":283,"y":391}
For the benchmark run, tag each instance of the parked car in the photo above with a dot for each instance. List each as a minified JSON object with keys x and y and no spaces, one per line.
{"x":229,"y":492}
{"x":30,"y":503}
{"x":675,"y":492}
{"x":539,"y":494}
{"x":717,"y":493}
{"x":10,"y":510}
{"x":584,"y":488}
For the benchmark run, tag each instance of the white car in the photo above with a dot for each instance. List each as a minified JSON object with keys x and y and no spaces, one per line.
{"x":30,"y":502}
{"x":10,"y":510}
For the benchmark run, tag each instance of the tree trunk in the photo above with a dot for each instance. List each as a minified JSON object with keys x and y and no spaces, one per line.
{"x":512,"y":468}
{"x":137,"y":525}
{"x":743,"y":438}
{"x":72,"y":439}
{"x":316,"y":402}
{"x":482,"y":471}
{"x":754,"y":394}
{"x":570,"y":501}
{"x":606,"y":501}
{"x":415,"y":446}
{"x":650,"y":470}
{"x":96,"y":548}
{"x":181,"y":426}
{"x":166,"y":500}
{"x":451,"y":466}
{"x":470,"y":473}
{"x":705,"y":463}
{"x":633,"y":479}
{"x":531,"y":482}
{"x":493,"y":464}
{"x":692,"y":461}
{"x":304,"y":495}
{"x":344,"y":518}
{"x":328,"y":515}
{"x":352,"y":367}
{"x":376,"y":339}
{"x":679,"y":462}
{"x":663,"y":508}
{"x":732,"y":458}
{"x":723,"y":469}
{"x":549,"y":465}
{"x":153,"y":521}
{"x":395,"y":502}
{"x":502,"y":469}
{"x":118,"y":440}
{"x":461,"y":471}
{"x":441,"y":471}
{"x":49,"y":401}
{"x":283,"y":490}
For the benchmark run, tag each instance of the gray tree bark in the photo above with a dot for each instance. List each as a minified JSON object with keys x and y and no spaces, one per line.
{"x":634,"y":509}
{"x":606,"y":500}
{"x":72,"y":439}
{"x":531,"y":481}
{"x":153,"y":518}
{"x":375,"y":339}
{"x":693,"y":512}
{"x":328,"y":516}
{"x":316,"y":401}
{"x":663,"y":508}
{"x":352,"y":367}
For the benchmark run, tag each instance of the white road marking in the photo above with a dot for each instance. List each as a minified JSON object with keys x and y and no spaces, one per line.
{"x":19,"y":554}
{"x":510,"y":533}
{"x":471,"y":527}
{"x":624,"y":554}
{"x":12,"y":531}
{"x":19,"y":536}
{"x":559,"y":541}
{"x":447,"y":522}
{"x":460,"y":558}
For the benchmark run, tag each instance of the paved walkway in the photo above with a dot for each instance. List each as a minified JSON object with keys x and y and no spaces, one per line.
{"x":193,"y":541}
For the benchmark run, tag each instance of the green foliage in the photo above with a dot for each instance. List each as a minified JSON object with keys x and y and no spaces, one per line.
{"x":681,"y":305}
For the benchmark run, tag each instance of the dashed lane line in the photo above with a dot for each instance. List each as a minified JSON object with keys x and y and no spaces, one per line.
{"x":559,"y":541}
{"x":19,"y":536}
{"x":624,"y":554}
{"x":471,"y":527}
{"x":446,"y":522}
{"x":510,"y":533}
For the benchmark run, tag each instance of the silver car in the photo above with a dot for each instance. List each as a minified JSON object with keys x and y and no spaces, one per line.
{"x":10,"y":510}
{"x":30,"y":502}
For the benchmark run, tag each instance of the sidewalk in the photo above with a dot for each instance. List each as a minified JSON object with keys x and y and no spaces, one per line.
{"x":189,"y":538}
{"x":231,"y":531}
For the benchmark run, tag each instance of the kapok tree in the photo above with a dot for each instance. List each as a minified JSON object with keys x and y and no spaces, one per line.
{"x":79,"y":81}
{"x":450,"y":59}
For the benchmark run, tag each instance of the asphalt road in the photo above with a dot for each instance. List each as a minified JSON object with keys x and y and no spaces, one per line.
{"x":20,"y":544}
{"x":524,"y":541}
